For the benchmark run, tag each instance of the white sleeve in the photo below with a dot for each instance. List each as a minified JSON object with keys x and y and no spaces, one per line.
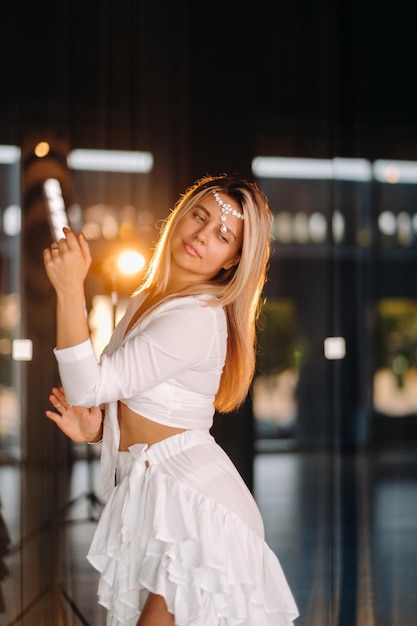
{"x":172,"y":342}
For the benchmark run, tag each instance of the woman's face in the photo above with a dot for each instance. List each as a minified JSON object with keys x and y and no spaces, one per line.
{"x":200,"y":246}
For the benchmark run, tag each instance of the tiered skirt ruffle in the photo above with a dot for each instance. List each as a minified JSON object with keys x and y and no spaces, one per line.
{"x":160,"y":534}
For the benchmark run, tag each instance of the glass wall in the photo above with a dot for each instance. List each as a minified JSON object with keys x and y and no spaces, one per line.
{"x":12,"y":350}
{"x":315,"y":327}
{"x":336,"y":380}
{"x":394,"y":394}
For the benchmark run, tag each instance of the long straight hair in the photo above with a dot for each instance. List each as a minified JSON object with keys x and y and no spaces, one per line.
{"x":237,"y":289}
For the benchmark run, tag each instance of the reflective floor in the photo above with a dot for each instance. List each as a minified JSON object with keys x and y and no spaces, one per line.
{"x":344,"y":528}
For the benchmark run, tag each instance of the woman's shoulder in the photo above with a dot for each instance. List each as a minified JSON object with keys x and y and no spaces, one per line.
{"x":192,"y":309}
{"x":189,"y":318}
{"x":205,"y":303}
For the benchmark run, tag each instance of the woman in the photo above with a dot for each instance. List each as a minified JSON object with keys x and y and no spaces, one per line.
{"x":180,"y":541}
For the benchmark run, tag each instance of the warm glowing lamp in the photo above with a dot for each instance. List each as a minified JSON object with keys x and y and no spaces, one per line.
{"x":42,"y":149}
{"x":130,"y":262}
{"x":126,"y":263}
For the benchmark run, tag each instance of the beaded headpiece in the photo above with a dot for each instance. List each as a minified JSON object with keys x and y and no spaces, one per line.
{"x":226,"y":209}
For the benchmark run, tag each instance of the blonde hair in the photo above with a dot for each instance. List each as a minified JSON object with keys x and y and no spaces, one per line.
{"x":237,"y":289}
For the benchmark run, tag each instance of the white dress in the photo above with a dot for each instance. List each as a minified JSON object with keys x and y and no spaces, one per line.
{"x":179,"y":520}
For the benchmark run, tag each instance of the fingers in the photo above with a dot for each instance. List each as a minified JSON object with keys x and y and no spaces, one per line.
{"x":47,"y":255}
{"x":75,"y":242}
{"x":59,"y":393}
{"x":54,"y":249}
{"x":58,"y":401}
{"x":85,"y":248}
{"x":70,"y":242}
{"x":54,"y":417}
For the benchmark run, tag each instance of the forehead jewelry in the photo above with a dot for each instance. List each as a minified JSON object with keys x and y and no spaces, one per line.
{"x":226,"y":209}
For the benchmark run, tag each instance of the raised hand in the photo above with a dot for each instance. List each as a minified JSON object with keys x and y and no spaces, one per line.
{"x":67,"y":262}
{"x":79,"y":423}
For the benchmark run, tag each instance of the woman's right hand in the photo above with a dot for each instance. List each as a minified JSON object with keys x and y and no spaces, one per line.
{"x":79,"y":423}
{"x":67,"y":262}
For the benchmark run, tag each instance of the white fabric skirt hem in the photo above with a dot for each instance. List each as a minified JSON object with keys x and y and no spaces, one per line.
{"x":160,"y":534}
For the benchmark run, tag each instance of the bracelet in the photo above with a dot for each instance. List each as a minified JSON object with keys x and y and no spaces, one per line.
{"x":94,"y":443}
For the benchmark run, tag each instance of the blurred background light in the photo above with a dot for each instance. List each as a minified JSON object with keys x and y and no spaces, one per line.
{"x":334,"y":348}
{"x":338,"y":226}
{"x":282,"y":167}
{"x":110,"y":161}
{"x":395,"y":171}
{"x":323,"y":169}
{"x":57,"y":214}
{"x":130,"y":262}
{"x":387,"y":223}
{"x":300,"y":226}
{"x":22,"y":350}
{"x":352,"y":169}
{"x":317,"y":227}
{"x":9,"y":154}
{"x":12,"y":220}
{"x":405,"y":230}
{"x":42,"y":149}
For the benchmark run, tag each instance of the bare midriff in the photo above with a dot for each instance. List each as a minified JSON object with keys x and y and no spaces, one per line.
{"x":135,"y":428}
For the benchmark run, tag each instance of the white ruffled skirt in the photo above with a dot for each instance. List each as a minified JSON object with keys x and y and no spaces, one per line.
{"x":181,"y":523}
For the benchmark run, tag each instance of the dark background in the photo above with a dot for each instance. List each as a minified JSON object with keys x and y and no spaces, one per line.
{"x":207,"y":86}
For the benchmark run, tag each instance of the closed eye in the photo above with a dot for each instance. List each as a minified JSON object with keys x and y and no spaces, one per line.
{"x":199,"y":217}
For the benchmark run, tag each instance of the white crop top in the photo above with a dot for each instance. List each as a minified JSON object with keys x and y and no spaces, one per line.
{"x":166,"y":368}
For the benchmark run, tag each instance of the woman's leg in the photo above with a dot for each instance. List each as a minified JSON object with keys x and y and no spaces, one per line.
{"x":155,"y":612}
